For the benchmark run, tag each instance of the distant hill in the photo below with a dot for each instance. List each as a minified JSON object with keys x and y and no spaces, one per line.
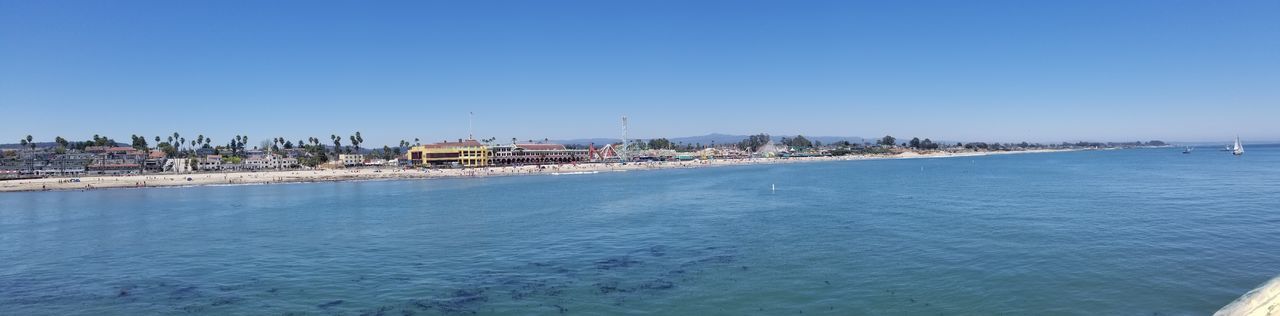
{"x":18,"y":145}
{"x":709,"y":139}
{"x":585,"y":141}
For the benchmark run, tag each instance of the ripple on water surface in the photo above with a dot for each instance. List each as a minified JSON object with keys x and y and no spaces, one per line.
{"x":1117,"y":232}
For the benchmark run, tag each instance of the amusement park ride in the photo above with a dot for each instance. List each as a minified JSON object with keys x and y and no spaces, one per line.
{"x":611,"y":153}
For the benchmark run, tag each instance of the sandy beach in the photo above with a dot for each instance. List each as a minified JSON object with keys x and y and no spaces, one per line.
{"x":374,"y":173}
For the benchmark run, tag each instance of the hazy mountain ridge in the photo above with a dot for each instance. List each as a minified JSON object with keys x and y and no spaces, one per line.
{"x":714,"y":138}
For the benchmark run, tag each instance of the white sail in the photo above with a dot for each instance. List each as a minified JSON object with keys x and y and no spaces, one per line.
{"x":1237,"y":149}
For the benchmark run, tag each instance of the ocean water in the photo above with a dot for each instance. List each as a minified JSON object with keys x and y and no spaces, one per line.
{"x":1123,"y":232}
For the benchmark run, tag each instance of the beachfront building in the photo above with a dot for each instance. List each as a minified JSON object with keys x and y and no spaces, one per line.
{"x":269,"y":161}
{"x":534,"y":154}
{"x":209,"y":163}
{"x":67,"y":165}
{"x":463,"y":153}
{"x":350,"y":160}
{"x":382,"y":162}
{"x":113,"y":167}
{"x":111,"y":160}
{"x":155,"y":161}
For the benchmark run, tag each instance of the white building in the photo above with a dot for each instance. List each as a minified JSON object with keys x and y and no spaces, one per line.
{"x":269,"y":161}
{"x":210,"y":163}
{"x":178,"y":165}
{"x":351,"y":159}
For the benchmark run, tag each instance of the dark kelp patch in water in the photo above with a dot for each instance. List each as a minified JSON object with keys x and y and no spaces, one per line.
{"x":616,"y":262}
{"x":330,"y":304}
{"x":186,"y":292}
{"x":225,"y":301}
{"x":657,"y":284}
{"x":462,"y":301}
{"x":522,"y":289}
{"x":658,"y":251}
{"x":542,"y":286}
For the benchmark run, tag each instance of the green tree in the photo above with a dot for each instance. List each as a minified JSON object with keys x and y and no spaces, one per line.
{"x":659,"y":143}
{"x":139,"y":142}
{"x":359,"y":140}
{"x":915,"y":142}
{"x":337,"y":144}
{"x":168,"y":149}
{"x":754,"y":142}
{"x":887,"y":140}
{"x":801,"y":142}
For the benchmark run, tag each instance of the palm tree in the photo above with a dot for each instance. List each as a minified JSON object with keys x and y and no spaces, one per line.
{"x":337,"y":144}
{"x":359,"y":140}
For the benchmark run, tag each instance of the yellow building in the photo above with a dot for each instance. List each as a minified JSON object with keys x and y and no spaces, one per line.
{"x":464,"y":153}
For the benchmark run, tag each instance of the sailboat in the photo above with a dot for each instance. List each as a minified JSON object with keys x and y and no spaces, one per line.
{"x":1188,"y":150}
{"x":1237,"y":149}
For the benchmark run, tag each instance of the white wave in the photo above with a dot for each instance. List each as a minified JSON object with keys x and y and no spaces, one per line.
{"x":575,"y":172}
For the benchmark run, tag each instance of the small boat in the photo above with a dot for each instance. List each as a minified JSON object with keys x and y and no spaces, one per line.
{"x":1188,"y":150}
{"x":1237,"y":149}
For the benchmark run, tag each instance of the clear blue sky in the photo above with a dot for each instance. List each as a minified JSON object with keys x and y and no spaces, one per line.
{"x":952,"y":70}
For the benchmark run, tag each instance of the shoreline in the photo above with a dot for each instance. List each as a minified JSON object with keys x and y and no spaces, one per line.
{"x":373,"y":173}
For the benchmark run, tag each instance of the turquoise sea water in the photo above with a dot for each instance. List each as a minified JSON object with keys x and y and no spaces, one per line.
{"x":1126,"y":232}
